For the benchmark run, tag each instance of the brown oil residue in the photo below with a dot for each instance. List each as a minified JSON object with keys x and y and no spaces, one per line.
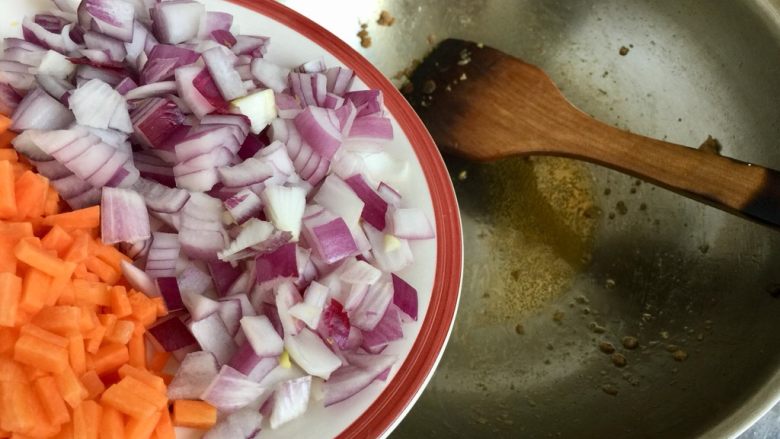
{"x":538,"y":227}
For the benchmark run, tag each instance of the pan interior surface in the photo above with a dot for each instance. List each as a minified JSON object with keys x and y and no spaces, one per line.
{"x":566,"y":262}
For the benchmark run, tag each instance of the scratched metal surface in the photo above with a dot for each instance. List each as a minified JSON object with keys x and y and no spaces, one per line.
{"x":577,"y":255}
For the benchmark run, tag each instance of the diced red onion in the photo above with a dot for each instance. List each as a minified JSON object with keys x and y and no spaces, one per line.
{"x":373,"y":306}
{"x":351,"y":379}
{"x":164,"y":60}
{"x":270,"y":75}
{"x":113,"y":18}
{"x":172,"y":334}
{"x":39,"y":111}
{"x":375,"y":209}
{"x":113,"y":47}
{"x":220,"y":62}
{"x":214,"y":337}
{"x":163,"y":254}
{"x":123,"y":216}
{"x":262,"y":336}
{"x":160,"y":198}
{"x":336,"y":324}
{"x":224,"y":275}
{"x":231,"y":390}
{"x":125,"y":86}
{"x":9,"y":99}
{"x":291,"y":399}
{"x":390,"y":258}
{"x":251,"y":45}
{"x":138,"y":279}
{"x":411,"y":223}
{"x":230,"y":314}
{"x":177,"y":22}
{"x":195,"y":374}
{"x":243,"y":206}
{"x":284,"y":206}
{"x":392,"y":196}
{"x":198,"y":305}
{"x":339,"y":80}
{"x":277,"y":265}
{"x":310,"y":353}
{"x":368,"y":102}
{"x":387,"y":330}
{"x":243,"y":424}
{"x":169,"y":290}
{"x":155,"y":121}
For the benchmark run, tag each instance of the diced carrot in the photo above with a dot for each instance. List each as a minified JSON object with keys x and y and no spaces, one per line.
{"x":35,"y":289}
{"x":77,"y":353}
{"x":159,"y":360}
{"x":14,"y":416}
{"x":109,"y":358}
{"x":66,"y":432}
{"x":33,"y":374}
{"x":79,"y":249}
{"x":156,"y":397}
{"x":19,"y":229}
{"x":35,"y":352}
{"x":144,"y":376}
{"x":120,"y":304}
{"x":142,"y":428}
{"x":8,"y":338}
{"x":7,"y":191}
{"x":62,"y":320}
{"x":67,"y":295}
{"x":112,"y":425}
{"x":137,"y":351}
{"x":102,"y":270}
{"x":7,"y":257}
{"x":82,"y":273}
{"x":52,"y":206}
{"x":9,"y":155}
{"x":88,"y":218}
{"x":95,"y":338}
{"x":45,"y":430}
{"x":58,"y":286}
{"x":58,"y":240}
{"x":5,"y":123}
{"x":93,"y":384}
{"x":53,"y":403}
{"x":164,"y":429}
{"x":47,"y":336}
{"x":22,"y":318}
{"x":87,"y":420}
{"x":121,"y":332}
{"x":91,"y":293}
{"x":127,"y":402}
{"x":71,"y":388}
{"x":6,"y":138}
{"x":110,"y":255}
{"x":167,"y":378}
{"x":194,"y":414}
{"x":162,"y":309}
{"x":88,"y":318}
{"x":33,"y":255}
{"x":10,"y":294}
{"x":31,"y":190}
{"x":144,"y":309}
{"x":11,"y":371}
{"x":108,"y":320}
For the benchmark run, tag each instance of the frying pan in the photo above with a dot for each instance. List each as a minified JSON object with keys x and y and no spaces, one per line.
{"x":564,"y":257}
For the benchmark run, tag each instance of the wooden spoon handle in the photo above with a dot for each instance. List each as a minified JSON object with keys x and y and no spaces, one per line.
{"x":737,"y":187}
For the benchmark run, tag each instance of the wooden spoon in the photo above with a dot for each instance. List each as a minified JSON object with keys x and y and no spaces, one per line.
{"x":484,"y":105}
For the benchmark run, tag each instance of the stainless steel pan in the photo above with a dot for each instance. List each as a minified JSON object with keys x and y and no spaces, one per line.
{"x":563,"y":257}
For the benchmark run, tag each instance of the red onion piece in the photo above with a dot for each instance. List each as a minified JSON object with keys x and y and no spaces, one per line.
{"x":411,"y":223}
{"x":123,"y":216}
{"x":172,"y":334}
{"x":375,"y":209}
{"x":387,"y":330}
{"x":177,"y":22}
{"x":196,"y":372}
{"x":291,"y":399}
{"x":310,"y":353}
{"x":169,"y":290}
{"x":262,"y":336}
{"x":351,"y":379}
{"x":114,"y":18}
{"x":213,"y":336}
{"x":231,"y":390}
{"x":39,"y":111}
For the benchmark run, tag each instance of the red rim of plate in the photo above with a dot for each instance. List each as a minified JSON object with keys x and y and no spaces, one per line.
{"x":419,"y":364}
